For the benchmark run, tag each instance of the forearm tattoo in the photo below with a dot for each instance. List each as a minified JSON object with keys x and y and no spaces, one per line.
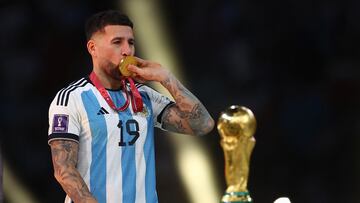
{"x":64,"y":157}
{"x":188,"y":115}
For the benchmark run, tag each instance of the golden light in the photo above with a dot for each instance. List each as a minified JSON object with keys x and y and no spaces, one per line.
{"x":14,"y":190}
{"x":192,"y":160}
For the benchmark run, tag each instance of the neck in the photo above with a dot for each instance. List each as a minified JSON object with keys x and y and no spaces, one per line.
{"x":106,"y":80}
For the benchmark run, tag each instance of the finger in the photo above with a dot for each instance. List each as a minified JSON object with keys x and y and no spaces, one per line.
{"x":141,"y":62}
{"x":139,"y":79}
{"x":135,"y":69}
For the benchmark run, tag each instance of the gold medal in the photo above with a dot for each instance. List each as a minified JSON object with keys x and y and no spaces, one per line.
{"x":123,"y":67}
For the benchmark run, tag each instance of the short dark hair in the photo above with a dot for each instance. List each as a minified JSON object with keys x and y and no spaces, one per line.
{"x":98,"y":21}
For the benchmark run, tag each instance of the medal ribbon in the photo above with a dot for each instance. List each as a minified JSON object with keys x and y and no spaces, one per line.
{"x":136,"y":100}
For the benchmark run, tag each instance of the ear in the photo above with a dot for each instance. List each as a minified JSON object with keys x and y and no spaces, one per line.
{"x":91,"y":46}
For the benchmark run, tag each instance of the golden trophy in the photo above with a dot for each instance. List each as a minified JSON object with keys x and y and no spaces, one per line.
{"x":237,"y":126}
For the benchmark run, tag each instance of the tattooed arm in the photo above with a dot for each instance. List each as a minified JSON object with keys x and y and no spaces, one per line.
{"x":188,"y":115}
{"x":64,"y":156}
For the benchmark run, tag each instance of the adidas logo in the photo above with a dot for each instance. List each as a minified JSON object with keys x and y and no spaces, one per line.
{"x":102,"y":111}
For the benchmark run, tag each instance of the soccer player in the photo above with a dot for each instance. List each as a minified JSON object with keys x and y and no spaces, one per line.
{"x":101,"y":127}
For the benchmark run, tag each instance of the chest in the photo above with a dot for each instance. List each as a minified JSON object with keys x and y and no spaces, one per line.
{"x":102,"y":124}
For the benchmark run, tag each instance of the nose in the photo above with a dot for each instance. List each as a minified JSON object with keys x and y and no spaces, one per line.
{"x":126,"y":49}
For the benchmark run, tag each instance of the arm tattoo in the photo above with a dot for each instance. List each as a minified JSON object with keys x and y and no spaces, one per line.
{"x":188,"y":115}
{"x":64,"y":157}
{"x":171,"y":124}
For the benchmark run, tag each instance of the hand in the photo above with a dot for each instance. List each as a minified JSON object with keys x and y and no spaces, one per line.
{"x":148,"y":71}
{"x":92,"y":200}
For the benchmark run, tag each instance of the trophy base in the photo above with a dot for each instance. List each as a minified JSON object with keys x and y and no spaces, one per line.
{"x":236,"y":197}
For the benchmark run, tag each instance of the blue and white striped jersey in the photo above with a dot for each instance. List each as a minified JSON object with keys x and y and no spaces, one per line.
{"x":116,"y":149}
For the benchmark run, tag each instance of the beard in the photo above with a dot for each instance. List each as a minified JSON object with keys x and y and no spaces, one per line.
{"x":112,"y":70}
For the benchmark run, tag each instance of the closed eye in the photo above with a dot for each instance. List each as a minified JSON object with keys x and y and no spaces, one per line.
{"x":116,"y":42}
{"x":131,"y":42}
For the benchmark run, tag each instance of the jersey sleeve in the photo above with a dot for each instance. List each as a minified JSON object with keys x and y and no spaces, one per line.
{"x":159,"y":103}
{"x":64,"y":121}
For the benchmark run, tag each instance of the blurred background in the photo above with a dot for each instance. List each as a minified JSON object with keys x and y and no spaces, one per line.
{"x":295,"y":64}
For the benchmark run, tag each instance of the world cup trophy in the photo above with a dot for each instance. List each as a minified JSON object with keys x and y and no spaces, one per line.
{"x":237,"y":126}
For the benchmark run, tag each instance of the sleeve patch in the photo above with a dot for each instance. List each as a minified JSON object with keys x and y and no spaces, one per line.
{"x":60,"y":123}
